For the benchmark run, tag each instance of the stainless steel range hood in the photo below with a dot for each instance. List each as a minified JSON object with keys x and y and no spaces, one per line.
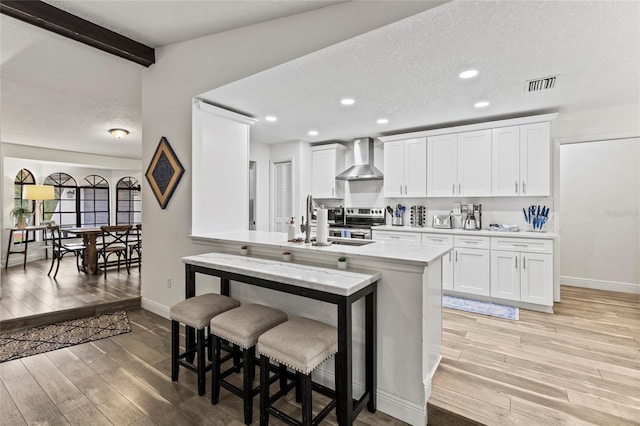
{"x":363,"y":168}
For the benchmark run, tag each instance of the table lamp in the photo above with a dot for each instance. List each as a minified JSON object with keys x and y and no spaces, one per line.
{"x":38,"y":193}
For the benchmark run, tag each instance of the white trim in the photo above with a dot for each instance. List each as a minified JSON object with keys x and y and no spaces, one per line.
{"x":225,"y":113}
{"x":155,"y":307}
{"x":600,"y":285}
{"x":597,"y":138}
{"x":471,"y":127}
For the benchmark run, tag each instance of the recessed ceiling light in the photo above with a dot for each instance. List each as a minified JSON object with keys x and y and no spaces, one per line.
{"x":347,"y":101}
{"x":481,"y":104}
{"x":382,"y":121}
{"x":271,"y":118}
{"x":468,"y":74}
{"x":313,"y":133}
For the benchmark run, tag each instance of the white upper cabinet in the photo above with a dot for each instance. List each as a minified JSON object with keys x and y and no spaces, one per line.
{"x":442,"y":167}
{"x":327,"y":161}
{"x":474,"y":163}
{"x":405,"y":168}
{"x":535,"y":159}
{"x":521,"y":160}
{"x":459,"y":165}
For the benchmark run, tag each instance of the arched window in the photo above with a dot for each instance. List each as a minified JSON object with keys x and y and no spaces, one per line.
{"x":94,"y":201}
{"x":129,"y":205}
{"x":63,"y":210}
{"x":24,"y":177}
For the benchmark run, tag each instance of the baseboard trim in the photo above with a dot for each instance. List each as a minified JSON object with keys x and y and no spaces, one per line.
{"x":600,"y":285}
{"x":155,"y":307}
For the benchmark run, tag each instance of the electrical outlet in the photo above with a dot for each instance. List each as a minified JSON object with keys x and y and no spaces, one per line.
{"x":168,"y":282}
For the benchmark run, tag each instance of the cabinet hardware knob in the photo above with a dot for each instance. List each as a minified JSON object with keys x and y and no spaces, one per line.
{"x":524,"y":187}
{"x":449,"y":256}
{"x":405,"y":190}
{"x":524,"y":262}
{"x":400,"y":189}
{"x":456,"y":256}
{"x":459,"y":188}
{"x":453,"y":188}
{"x":516,"y":187}
{"x":516,"y":262}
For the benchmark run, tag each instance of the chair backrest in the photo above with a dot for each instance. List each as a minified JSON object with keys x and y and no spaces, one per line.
{"x":54,"y":235}
{"x":115,"y":235}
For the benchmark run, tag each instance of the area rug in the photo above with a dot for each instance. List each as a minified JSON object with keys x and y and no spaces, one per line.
{"x":478,"y":307}
{"x":18,"y":344}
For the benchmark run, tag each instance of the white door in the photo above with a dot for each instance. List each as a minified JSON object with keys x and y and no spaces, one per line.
{"x":442,"y":164}
{"x":505,"y":274}
{"x":474,"y":163}
{"x":447,"y":271}
{"x":537,"y":278}
{"x":323,"y":173}
{"x":415,"y":167}
{"x":282,"y":190}
{"x":394,"y":169}
{"x":535,"y":159}
{"x":505,"y":161}
{"x":471,"y":271}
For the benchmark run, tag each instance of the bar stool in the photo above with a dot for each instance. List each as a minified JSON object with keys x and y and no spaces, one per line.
{"x":302,"y":344}
{"x":241,"y":326}
{"x":195,"y":312}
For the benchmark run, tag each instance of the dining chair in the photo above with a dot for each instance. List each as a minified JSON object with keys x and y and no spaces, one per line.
{"x":135,"y":246}
{"x":59,"y":250}
{"x":115,"y":241}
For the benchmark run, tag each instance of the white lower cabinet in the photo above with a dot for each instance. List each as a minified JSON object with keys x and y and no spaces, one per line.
{"x":414,"y":237}
{"x":471,"y":271}
{"x":519,"y":275}
{"x":447,"y":260}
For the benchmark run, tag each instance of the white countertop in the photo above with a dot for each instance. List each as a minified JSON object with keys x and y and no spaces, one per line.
{"x":457,"y":231}
{"x":328,"y":280}
{"x":405,"y":252}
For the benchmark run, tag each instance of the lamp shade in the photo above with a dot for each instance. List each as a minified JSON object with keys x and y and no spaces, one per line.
{"x":39,"y":192}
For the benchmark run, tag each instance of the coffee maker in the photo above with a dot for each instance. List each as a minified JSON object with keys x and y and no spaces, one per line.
{"x":473,"y":219}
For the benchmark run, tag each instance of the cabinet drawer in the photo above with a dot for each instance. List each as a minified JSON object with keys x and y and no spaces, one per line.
{"x":437,"y":239}
{"x":522,"y":244}
{"x":397,"y":236}
{"x":471,"y":241}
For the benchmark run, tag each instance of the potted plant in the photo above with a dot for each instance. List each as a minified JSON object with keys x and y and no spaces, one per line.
{"x":20,"y":215}
{"x":342,"y":262}
{"x":286,"y":256}
{"x":244,"y":250}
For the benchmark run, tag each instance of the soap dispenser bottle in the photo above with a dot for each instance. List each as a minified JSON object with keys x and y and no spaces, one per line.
{"x":291,"y":231}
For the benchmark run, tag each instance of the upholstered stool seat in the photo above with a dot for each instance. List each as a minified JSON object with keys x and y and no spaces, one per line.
{"x":302,"y":344}
{"x":195,"y":312}
{"x":241,"y":326}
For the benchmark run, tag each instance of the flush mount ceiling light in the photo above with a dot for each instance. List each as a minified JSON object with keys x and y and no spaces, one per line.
{"x":382,"y":121}
{"x":271,"y":118}
{"x":313,"y":133}
{"x":468,"y":74}
{"x":347,"y":101}
{"x":481,"y":104}
{"x":119,"y":133}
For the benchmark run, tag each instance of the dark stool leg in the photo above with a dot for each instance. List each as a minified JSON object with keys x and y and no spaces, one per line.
{"x":253,"y":363}
{"x":247,"y":391}
{"x":298,"y":386}
{"x":282,"y":372}
{"x":202,"y":367}
{"x":237,"y":356}
{"x":175,"y":349}
{"x":307,"y":415}
{"x":264,"y":390}
{"x":215,"y":377}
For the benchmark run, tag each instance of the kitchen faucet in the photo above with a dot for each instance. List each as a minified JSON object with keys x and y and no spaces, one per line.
{"x":306,"y":228}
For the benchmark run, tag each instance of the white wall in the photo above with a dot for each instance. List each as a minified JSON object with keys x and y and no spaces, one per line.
{"x":259,"y":153}
{"x":185,"y":70}
{"x":600,"y":199}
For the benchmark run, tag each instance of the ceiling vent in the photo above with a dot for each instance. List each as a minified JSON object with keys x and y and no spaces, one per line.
{"x":540,"y":84}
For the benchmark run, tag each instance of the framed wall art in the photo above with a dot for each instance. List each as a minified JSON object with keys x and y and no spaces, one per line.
{"x":164,"y":172}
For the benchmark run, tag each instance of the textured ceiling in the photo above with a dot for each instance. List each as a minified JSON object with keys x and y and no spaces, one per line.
{"x":408,"y":71}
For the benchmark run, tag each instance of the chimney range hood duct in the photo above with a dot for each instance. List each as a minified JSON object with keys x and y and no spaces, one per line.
{"x":363,"y":168}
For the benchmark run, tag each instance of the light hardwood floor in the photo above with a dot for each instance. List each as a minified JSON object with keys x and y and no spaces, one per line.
{"x":580,"y":365}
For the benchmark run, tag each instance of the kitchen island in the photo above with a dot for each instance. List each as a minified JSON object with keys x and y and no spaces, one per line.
{"x":409,"y":316}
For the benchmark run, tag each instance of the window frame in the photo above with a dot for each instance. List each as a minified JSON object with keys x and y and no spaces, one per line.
{"x":128,"y":186}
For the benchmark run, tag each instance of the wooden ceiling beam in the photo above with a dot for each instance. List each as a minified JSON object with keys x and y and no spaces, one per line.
{"x":45,"y":16}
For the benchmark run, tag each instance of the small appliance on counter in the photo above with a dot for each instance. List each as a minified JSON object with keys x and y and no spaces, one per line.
{"x":473,"y":219}
{"x":418,"y":216}
{"x":442,"y":221}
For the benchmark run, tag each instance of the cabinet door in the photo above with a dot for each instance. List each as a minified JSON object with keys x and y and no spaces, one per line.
{"x":474,"y":163}
{"x":323,"y":175}
{"x":394,"y":169}
{"x":505,"y":161}
{"x":447,"y":271}
{"x":414,"y":237}
{"x":442,"y":165}
{"x":505,"y":274}
{"x":537,"y":278}
{"x":535,"y":159}
{"x":471,"y":271}
{"x":415,"y":154}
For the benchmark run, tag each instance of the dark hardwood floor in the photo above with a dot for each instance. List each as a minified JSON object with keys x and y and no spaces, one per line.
{"x":31,"y":298}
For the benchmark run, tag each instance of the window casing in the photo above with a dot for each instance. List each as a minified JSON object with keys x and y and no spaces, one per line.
{"x":24,"y":177}
{"x":94,"y":202}
{"x":129,"y":202}
{"x":64,"y":209}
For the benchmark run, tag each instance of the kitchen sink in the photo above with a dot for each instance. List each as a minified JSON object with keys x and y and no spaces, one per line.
{"x":349,"y":241}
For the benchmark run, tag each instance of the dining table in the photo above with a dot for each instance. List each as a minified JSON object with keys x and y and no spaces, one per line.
{"x":90,"y":241}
